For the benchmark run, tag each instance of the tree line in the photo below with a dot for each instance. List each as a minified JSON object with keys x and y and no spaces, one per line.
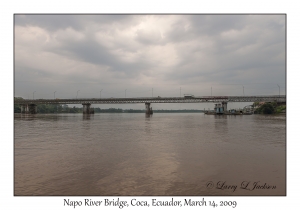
{"x":269,"y":108}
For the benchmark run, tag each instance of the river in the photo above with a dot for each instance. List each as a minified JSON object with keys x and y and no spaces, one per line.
{"x":166,"y":154}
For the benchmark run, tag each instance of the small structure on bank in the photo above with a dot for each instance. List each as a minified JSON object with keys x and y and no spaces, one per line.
{"x":221,"y":109}
{"x":218,"y":109}
{"x":248,"y":109}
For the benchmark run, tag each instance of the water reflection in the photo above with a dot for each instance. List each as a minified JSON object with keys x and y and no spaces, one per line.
{"x":148,"y":115}
{"x":30,"y":117}
{"x":87,"y":116}
{"x":221,"y":125}
{"x":26,"y":116}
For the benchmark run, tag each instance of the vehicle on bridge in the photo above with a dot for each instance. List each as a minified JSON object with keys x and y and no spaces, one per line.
{"x":189,"y":96}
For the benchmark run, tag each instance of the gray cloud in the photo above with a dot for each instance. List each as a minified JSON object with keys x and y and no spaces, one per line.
{"x":78,"y":22}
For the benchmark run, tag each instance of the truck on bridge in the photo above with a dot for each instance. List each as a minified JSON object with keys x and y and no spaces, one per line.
{"x":189,"y":96}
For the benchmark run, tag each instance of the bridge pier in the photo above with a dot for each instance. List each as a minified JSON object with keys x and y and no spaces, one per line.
{"x":224,"y":103}
{"x":148,"y":108}
{"x":87,"y":109}
{"x":28,"y":108}
{"x":24,"y":108}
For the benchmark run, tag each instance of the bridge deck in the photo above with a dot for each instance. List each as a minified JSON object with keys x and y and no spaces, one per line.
{"x":203,"y":99}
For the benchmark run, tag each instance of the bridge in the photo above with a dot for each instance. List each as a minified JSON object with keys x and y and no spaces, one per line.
{"x":30,"y":105}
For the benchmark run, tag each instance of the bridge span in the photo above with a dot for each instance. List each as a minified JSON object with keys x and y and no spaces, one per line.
{"x":30,"y":105}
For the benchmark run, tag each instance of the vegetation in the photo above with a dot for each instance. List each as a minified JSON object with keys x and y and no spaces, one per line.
{"x":179,"y":111}
{"x":280,"y":109}
{"x":269,"y":108}
{"x":163,"y":111}
{"x":255,"y":104}
{"x":17,"y":107}
{"x":18,"y":98}
{"x":110,"y":110}
{"x":49,"y":108}
{"x":266,"y":108}
{"x":134,"y":111}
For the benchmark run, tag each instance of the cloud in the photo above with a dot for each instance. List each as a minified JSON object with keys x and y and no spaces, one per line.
{"x":141,"y":51}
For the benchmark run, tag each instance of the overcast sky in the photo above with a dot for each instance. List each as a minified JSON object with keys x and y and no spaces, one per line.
{"x":114,"y":53}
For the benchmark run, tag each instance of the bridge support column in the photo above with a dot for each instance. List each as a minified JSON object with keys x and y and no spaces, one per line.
{"x":32,"y":108}
{"x":28,"y":108}
{"x":148,"y":108}
{"x":87,"y":109}
{"x":24,"y":108}
{"x":224,"y":103}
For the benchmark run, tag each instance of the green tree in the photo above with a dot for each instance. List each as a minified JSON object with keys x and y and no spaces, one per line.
{"x":17,"y":107}
{"x":266,"y":108}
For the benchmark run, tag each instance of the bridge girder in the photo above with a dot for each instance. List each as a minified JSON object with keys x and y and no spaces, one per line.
{"x":205,"y":99}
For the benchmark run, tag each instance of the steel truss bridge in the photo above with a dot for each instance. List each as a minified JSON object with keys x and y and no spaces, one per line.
{"x":198,"y":99}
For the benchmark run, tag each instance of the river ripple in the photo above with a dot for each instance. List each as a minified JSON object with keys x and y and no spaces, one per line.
{"x":166,"y":154}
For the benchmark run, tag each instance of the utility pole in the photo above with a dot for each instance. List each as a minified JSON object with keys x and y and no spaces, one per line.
{"x":77,"y":93}
{"x":180,"y":97}
{"x":56,"y":104}
{"x":100,"y":93}
{"x":279,"y":89}
{"x":125,"y":93}
{"x":243,"y":91}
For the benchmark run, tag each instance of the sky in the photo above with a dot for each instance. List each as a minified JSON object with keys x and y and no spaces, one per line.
{"x":140,"y":55}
